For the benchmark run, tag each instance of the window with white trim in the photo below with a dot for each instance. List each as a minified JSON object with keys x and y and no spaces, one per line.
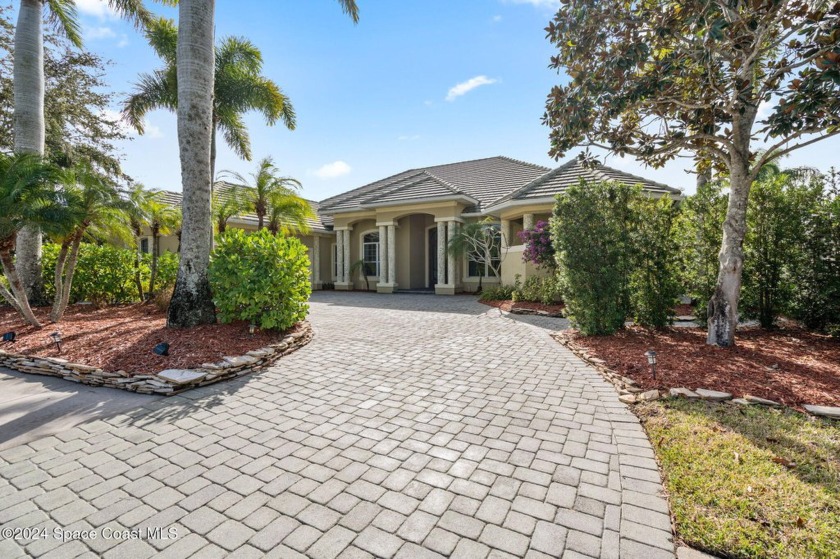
{"x":370,"y":253}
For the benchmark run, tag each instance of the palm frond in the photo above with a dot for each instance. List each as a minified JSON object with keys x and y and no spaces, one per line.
{"x":162,"y":35}
{"x":64,"y":18}
{"x":235,"y":133}
{"x":350,"y":8}
{"x":154,"y":91}
{"x":132,"y":10}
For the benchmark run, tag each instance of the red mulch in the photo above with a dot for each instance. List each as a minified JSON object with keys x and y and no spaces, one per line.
{"x":790,"y":365}
{"x":121,"y":337}
{"x":508,"y":305}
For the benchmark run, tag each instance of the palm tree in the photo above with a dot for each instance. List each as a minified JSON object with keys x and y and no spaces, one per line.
{"x":163,"y":219}
{"x":265,"y":184}
{"x":136,"y":217}
{"x":96,"y":209}
{"x":27,"y":198}
{"x":288,"y":213}
{"x":228,"y":203}
{"x":239,"y":87}
{"x":192,"y":301}
{"x":29,"y":101}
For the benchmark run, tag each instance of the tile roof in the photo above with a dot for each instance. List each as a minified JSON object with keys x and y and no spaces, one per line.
{"x":320,"y":223}
{"x":483,"y":180}
{"x":570,"y":173}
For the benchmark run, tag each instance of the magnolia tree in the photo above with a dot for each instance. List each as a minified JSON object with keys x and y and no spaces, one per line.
{"x":659,"y":79}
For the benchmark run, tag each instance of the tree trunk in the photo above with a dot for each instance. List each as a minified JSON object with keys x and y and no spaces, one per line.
{"x":155,"y":256}
{"x":723,"y":306}
{"x":192,"y":301}
{"x":16,"y":286}
{"x":137,"y":255}
{"x":29,"y":130}
{"x":58,"y":278}
{"x":260,"y":219}
{"x":62,"y":298}
{"x":213,"y":157}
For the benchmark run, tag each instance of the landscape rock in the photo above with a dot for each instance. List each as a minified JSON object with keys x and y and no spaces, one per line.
{"x":823,"y":411}
{"x":741,"y":402}
{"x":713,"y":395}
{"x":762,"y":401}
{"x":181,"y":376}
{"x":627,"y":398}
{"x":683,"y":393}
{"x":629,"y":381}
{"x":649,"y":396}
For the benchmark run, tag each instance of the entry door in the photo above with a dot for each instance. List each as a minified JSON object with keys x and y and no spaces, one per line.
{"x":433,"y":262}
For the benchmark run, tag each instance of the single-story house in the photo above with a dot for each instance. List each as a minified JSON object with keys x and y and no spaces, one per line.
{"x":400,"y":225}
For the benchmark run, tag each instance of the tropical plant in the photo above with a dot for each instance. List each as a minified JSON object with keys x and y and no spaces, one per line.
{"x":260,"y":278}
{"x":538,"y":246}
{"x":136,"y":216}
{"x":239,"y":87}
{"x":360,"y":267}
{"x":96,"y":209}
{"x":537,"y":289}
{"x":29,"y":122}
{"x":192,"y":301}
{"x":163,"y":220}
{"x":266,"y":189}
{"x":288,"y":213}
{"x":483,"y":243}
{"x":655,"y":79}
{"x":26,"y":199}
{"x":227,"y":203}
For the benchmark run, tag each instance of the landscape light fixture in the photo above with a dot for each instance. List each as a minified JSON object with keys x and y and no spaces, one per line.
{"x":162,"y":349}
{"x":9,"y":337}
{"x":252,"y":328}
{"x":56,"y":338}
{"x":651,"y":358}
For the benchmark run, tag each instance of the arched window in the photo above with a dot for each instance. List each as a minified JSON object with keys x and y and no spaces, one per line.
{"x":370,"y":253}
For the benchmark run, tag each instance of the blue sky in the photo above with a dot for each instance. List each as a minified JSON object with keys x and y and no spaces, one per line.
{"x":413,"y":84}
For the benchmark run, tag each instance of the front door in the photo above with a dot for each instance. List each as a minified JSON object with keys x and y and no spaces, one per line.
{"x":433,"y":262}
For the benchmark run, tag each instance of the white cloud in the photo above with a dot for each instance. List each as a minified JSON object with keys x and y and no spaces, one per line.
{"x":94,"y":33}
{"x":467,"y":86}
{"x":123,"y":42}
{"x":98,"y":8}
{"x":496,"y":19}
{"x":333,"y":170}
{"x":149,"y":130}
{"x":408,"y":138}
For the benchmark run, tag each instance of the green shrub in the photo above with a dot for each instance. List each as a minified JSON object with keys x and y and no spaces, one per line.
{"x":654,"y":284}
{"x":591,"y":231}
{"x":496,"y":293}
{"x":260,"y":278}
{"x":167,"y":270}
{"x":536,"y":289}
{"x":104,"y":274}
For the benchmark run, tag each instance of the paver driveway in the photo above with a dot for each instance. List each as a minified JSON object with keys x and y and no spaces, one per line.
{"x":412,"y":426}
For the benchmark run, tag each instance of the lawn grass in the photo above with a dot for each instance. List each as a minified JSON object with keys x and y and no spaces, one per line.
{"x":749,"y":482}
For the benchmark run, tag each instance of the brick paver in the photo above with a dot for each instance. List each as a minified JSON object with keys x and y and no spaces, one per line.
{"x":412,"y":426}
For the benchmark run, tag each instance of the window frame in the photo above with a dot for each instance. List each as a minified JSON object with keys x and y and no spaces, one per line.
{"x":362,"y":246}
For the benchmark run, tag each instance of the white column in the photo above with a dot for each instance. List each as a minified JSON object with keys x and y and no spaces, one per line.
{"x":450,"y":271}
{"x":392,"y":254}
{"x":441,"y":253}
{"x":316,"y":261}
{"x":347,"y":262}
{"x":506,"y":240}
{"x":383,"y":254}
{"x":528,"y":221}
{"x":339,"y":256}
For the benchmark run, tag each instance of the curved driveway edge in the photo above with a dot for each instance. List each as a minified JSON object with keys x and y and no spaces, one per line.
{"x":412,"y":426}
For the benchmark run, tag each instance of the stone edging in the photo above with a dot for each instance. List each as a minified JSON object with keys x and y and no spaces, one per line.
{"x":630,"y":393}
{"x":169,"y":381}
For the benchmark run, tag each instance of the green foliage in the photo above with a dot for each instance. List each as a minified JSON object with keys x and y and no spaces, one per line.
{"x":537,"y":289}
{"x":699,"y":231}
{"x":776,"y":227}
{"x":816,"y":299}
{"x":496,"y":293}
{"x":167,"y":270}
{"x":591,"y":230}
{"x":104,"y":274}
{"x":260,"y":278}
{"x":654,"y":285}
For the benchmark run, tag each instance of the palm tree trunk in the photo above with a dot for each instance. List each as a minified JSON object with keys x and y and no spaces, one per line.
{"x":192,"y":301}
{"x":137,"y":255}
{"x":62,"y":298}
{"x":58,"y":280}
{"x":213,"y":156}
{"x":29,"y":129}
{"x":155,"y":256}
{"x":16,"y":286}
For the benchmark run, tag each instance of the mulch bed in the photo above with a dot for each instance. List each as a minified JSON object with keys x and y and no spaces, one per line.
{"x":790,"y":365}
{"x":508,"y":306}
{"x":121,"y":337}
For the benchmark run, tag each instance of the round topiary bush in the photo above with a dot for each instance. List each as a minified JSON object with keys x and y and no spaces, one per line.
{"x":260,"y":278}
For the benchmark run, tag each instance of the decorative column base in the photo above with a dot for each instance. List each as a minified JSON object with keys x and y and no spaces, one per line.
{"x":343,"y":286}
{"x":386,"y":287}
{"x":444,"y":289}
{"x":317,"y":286}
